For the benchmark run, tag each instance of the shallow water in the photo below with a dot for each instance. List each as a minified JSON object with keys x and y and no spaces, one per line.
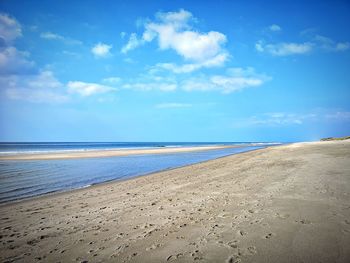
{"x":22,"y":179}
{"x":10,"y":148}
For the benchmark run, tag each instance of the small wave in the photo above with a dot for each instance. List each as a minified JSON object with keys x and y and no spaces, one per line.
{"x":266,"y":143}
{"x":84,"y":186}
{"x":18,"y":189}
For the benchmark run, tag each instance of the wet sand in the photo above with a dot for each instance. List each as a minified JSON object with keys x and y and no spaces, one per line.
{"x":281,"y":204}
{"x":109,"y":153}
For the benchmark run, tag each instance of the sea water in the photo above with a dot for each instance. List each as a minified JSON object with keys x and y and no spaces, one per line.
{"x":23,"y":179}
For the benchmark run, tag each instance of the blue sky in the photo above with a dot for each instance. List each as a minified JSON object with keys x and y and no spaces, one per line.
{"x":174,"y":70}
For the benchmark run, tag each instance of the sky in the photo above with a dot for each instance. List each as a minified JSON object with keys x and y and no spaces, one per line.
{"x":174,"y":70}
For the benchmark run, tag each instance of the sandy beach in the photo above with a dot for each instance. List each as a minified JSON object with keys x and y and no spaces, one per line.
{"x":108,"y":153}
{"x":288,"y":203}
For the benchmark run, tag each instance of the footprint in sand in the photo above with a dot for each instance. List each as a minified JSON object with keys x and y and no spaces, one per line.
{"x":223,"y":215}
{"x":196,"y":255}
{"x":256,"y":221}
{"x":269,"y":235}
{"x":131,"y":256}
{"x":252,"y":250}
{"x":303,"y":221}
{"x":242,"y":233}
{"x":233,"y":244}
{"x":174,"y":257}
{"x":282,"y":216}
{"x":154,"y":246}
{"x":233,"y":259}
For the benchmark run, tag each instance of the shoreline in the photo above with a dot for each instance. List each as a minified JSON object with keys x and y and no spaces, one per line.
{"x":278,"y":204}
{"x":114,"y":181}
{"x":110,"y":153}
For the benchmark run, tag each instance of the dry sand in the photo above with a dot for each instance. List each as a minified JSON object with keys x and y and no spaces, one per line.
{"x":282,"y":204}
{"x":109,"y":153}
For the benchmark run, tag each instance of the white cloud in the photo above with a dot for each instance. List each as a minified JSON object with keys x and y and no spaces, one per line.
{"x":33,"y":28}
{"x":112,"y":80}
{"x":148,"y":86}
{"x":259,"y":46}
{"x":46,"y":88}
{"x":339,"y":115}
{"x":122,"y":34}
{"x":36,"y":96}
{"x":10,"y":29}
{"x":13,"y":61}
{"x":44,"y":79}
{"x":178,"y":19}
{"x":276,"y":119}
{"x":173,"y":30}
{"x":284,"y":49}
{"x":330,"y":45}
{"x":101,"y":50}
{"x":317,"y":42}
{"x":18,"y":78}
{"x":150,"y":81}
{"x":285,"y":118}
{"x":342,"y":46}
{"x":87,"y":89}
{"x":275,"y":28}
{"x":187,"y":68}
{"x":133,"y":43}
{"x":72,"y":54}
{"x":53,"y":36}
{"x":236,"y":79}
{"x":39,"y":88}
{"x":230,"y":84}
{"x":173,"y":105}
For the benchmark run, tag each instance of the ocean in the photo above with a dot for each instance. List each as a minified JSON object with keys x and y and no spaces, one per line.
{"x":23,"y":179}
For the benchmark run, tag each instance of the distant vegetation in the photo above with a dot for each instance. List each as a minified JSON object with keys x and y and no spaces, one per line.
{"x":335,"y":139}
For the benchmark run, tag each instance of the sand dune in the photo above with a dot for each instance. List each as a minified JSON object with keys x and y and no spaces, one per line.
{"x":282,"y":204}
